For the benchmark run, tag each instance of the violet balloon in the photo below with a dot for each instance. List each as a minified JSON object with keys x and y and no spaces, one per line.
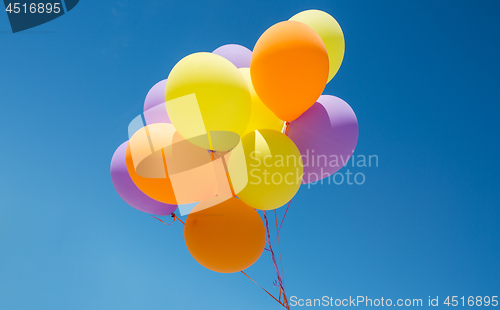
{"x":239,"y":55}
{"x":157,"y":114}
{"x":129,"y":192}
{"x":156,"y":95}
{"x":155,"y":110}
{"x":326,"y":135}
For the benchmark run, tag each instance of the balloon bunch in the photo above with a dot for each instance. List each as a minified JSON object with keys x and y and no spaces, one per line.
{"x":237,"y":131}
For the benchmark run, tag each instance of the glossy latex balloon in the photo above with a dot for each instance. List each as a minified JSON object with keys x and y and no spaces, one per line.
{"x":170,"y":169}
{"x":157,"y":114}
{"x":155,"y":110}
{"x":129,"y":192}
{"x":239,"y":55}
{"x":273,"y":171}
{"x":156,"y":95}
{"x":326,"y":136}
{"x":207,"y":95}
{"x":330,"y":32}
{"x":224,"y":234}
{"x":260,"y":116}
{"x":158,"y":187}
{"x":289,"y":68}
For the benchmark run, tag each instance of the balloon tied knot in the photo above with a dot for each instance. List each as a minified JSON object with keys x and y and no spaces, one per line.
{"x":171,"y":215}
{"x":287,"y":127}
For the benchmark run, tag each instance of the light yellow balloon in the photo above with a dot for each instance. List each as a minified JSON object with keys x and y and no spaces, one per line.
{"x":206,"y":95}
{"x":260,"y":116}
{"x":330,"y":32}
{"x":273,"y":171}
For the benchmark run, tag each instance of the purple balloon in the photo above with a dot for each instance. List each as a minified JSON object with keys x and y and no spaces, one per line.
{"x":157,"y":114}
{"x":129,"y":192}
{"x":155,"y":110}
{"x":239,"y":55}
{"x":156,"y":95}
{"x":326,"y":135}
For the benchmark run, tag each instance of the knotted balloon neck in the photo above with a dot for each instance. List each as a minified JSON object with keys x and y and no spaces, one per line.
{"x":287,"y":127}
{"x":173,"y":216}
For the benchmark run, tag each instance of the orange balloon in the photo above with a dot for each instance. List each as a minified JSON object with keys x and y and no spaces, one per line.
{"x":224,"y":234}
{"x":289,"y":68}
{"x":157,"y":188}
{"x":170,"y":169}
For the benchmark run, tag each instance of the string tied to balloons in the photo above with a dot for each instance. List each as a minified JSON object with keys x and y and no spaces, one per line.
{"x":278,"y":274}
{"x":242,"y":102}
{"x":287,"y":126}
{"x":172,"y":216}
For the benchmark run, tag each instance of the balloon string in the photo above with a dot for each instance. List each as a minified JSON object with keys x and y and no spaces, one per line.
{"x":230,"y":184}
{"x":173,"y":216}
{"x":268,"y":240}
{"x":279,"y":247}
{"x":163,"y":221}
{"x":225,"y":168}
{"x":227,"y":176}
{"x":264,"y":289}
{"x":179,"y":220}
{"x":287,"y":128}
{"x":278,"y":231}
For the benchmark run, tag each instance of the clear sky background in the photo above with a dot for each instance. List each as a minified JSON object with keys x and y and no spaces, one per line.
{"x":422,"y":77}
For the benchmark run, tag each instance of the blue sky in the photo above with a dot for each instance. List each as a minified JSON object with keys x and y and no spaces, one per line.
{"x":422,"y":77}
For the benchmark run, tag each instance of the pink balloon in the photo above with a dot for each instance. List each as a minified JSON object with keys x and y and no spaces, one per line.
{"x":326,"y":135}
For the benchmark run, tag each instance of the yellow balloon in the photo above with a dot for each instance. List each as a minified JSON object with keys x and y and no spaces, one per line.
{"x":260,"y":116}
{"x":273,"y":171}
{"x":208,"y":101}
{"x":330,"y":32}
